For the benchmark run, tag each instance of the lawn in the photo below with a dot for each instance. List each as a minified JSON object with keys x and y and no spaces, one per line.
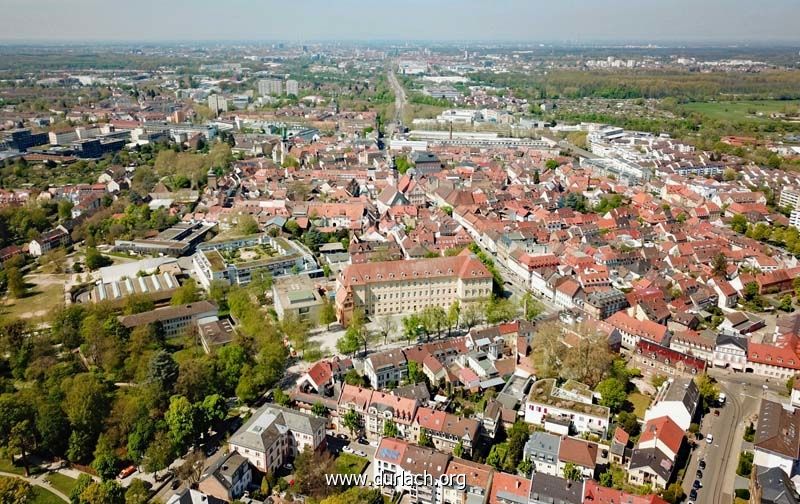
{"x":347,"y":463}
{"x":8,"y":467}
{"x":62,"y":483}
{"x":742,"y":110}
{"x":640,"y":403}
{"x":39,"y":302}
{"x":44,"y":496}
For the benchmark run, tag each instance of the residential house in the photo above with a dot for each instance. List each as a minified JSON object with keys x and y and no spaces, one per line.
{"x":656,"y":360}
{"x":678,"y":398}
{"x":650,"y":466}
{"x":565,"y":409}
{"x":228,"y":478}
{"x":509,"y":489}
{"x":49,"y":240}
{"x":580,"y":453}
{"x":730,"y":352}
{"x":632,"y":330}
{"x":383,"y":408}
{"x":542,"y":450}
{"x":384,"y":368}
{"x":399,"y":468}
{"x":777,"y":442}
{"x":477,"y":482}
{"x":548,"y":489}
{"x":664,"y":434}
{"x":446,"y":430}
{"x":274,"y":435}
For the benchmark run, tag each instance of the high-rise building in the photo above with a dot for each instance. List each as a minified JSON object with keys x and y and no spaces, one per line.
{"x":217,"y":103}
{"x":292,"y":87}
{"x":270,"y":87}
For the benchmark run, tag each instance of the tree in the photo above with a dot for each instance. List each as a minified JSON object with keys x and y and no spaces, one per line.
{"x":15,"y":491}
{"x":105,"y":460}
{"x":247,"y":225}
{"x":16,"y":283}
{"x":16,"y":434}
{"x":159,"y":453}
{"x":349,"y":343}
{"x":548,"y":351}
{"x":500,"y":310}
{"x":424,"y":439}
{"x":472,"y":315}
{"x":319,"y":409}
{"x":213,"y":409}
{"x":280,"y":397}
{"x":81,"y":484}
{"x":628,"y":422}
{"x":230,"y":359}
{"x":612,"y":394}
{"x":458,"y":449}
{"x":186,"y":293}
{"x":536,"y":177}
{"x":163,"y":370}
{"x":453,"y":314}
{"x":385,"y":327}
{"x":572,"y":472}
{"x":353,"y":378}
{"x":411,"y":326}
{"x":590,"y":360}
{"x":673,"y":493}
{"x":296,"y":331}
{"x":95,"y":260}
{"x":531,"y":307}
{"x":786,"y":304}
{"x":750,"y":291}
{"x":182,"y":420}
{"x":310,"y":470}
{"x":709,"y":390}
{"x":356,"y":495}
{"x":525,"y":467}
{"x":327,"y":314}
{"x":739,"y":223}
{"x":351,"y":421}
{"x":85,"y":404}
{"x":415,"y":374}
{"x":719,"y":265}
{"x":192,"y":468}
{"x":138,"y":492}
{"x":107,"y":492}
{"x":138,"y":303}
{"x":390,"y":429}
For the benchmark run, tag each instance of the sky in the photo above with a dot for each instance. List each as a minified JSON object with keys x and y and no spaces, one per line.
{"x":737,"y":21}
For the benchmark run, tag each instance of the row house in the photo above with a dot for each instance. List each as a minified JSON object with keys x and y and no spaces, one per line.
{"x":400,"y":467}
{"x":656,"y":360}
{"x":446,"y":430}
{"x":632,"y":330}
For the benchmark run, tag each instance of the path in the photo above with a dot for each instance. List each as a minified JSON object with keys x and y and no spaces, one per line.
{"x":40,"y":481}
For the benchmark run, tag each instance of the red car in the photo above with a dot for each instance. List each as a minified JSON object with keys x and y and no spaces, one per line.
{"x":127,"y":472}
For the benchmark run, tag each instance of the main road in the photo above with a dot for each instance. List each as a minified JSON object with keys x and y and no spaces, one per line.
{"x":744,"y":393}
{"x":400,"y":101}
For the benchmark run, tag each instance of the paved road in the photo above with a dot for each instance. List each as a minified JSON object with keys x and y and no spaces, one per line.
{"x":744,"y":393}
{"x":400,"y":101}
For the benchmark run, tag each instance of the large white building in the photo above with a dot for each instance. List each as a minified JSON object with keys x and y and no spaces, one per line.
{"x":566,"y":408}
{"x":274,"y":434}
{"x":677,"y":399}
{"x":394,"y":287}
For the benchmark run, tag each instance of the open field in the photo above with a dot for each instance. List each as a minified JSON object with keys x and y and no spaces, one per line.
{"x":743,"y":110}
{"x":62,"y":483}
{"x":40,"y":301}
{"x":640,"y":403}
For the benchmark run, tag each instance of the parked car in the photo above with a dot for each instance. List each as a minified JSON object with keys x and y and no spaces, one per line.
{"x":363,"y":441}
{"x":126,"y":472}
{"x":702,"y":464}
{"x":696,"y":484}
{"x":710,"y":438}
{"x":360,"y":453}
{"x":693,"y":494}
{"x":699,"y":474}
{"x":175,"y":484}
{"x":347,"y":449}
{"x":342,"y":436}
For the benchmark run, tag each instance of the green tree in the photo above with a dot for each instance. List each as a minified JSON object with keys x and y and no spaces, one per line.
{"x":673,"y":493}
{"x":525,"y":467}
{"x":572,"y":472}
{"x":86,"y":405}
{"x":214,"y":409}
{"x":138,"y":303}
{"x":319,"y":409}
{"x":349,"y":343}
{"x":739,"y":223}
{"x":186,"y":293}
{"x":107,"y":492}
{"x":500,"y":310}
{"x":182,"y":420}
{"x":105,"y":460}
{"x":612,"y":394}
{"x":351,"y":421}
{"x":353,"y":378}
{"x":709,"y":390}
{"x":551,"y":164}
{"x":415,"y":374}
{"x":230,"y":359}
{"x":15,"y":283}
{"x":159,"y":453}
{"x":247,"y":225}
{"x":424,"y":439}
{"x":719,"y":265}
{"x":15,"y":491}
{"x":95,"y":260}
{"x":458,"y":449}
{"x":327,"y":314}
{"x":390,"y":429}
{"x":163,"y":370}
{"x":138,"y":492}
{"x":628,"y":422}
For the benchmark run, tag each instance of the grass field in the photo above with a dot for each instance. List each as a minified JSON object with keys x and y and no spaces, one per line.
{"x":347,"y":463}
{"x":743,"y":110}
{"x":40,"y":301}
{"x":44,"y":496}
{"x":7,"y":466}
{"x":62,"y":483}
{"x":640,"y":403}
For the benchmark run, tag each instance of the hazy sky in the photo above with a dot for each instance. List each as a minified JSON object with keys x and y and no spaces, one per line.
{"x":298,"y":20}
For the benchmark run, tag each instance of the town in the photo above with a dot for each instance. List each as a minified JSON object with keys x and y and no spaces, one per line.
{"x":399,"y":273}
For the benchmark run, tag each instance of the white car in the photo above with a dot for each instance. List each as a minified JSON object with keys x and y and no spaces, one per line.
{"x":347,"y":449}
{"x":360,"y":453}
{"x":709,"y":439}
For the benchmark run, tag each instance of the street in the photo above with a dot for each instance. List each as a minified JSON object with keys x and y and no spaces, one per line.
{"x":744,"y":393}
{"x":399,"y":103}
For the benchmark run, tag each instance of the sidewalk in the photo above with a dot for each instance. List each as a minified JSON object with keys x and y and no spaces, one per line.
{"x":38,"y":480}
